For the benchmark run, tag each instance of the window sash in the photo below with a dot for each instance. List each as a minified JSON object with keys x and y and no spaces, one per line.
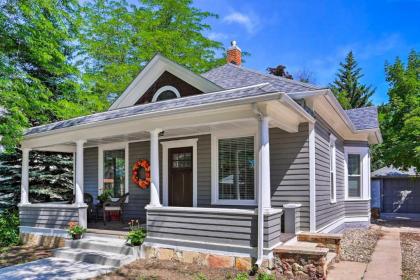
{"x":354,"y":171}
{"x":333,"y":190}
{"x":114,"y":172}
{"x":236,"y":169}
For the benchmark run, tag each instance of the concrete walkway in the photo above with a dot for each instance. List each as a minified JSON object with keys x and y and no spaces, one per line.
{"x":53,"y":269}
{"x":386,"y":259}
{"x":385,"y":262}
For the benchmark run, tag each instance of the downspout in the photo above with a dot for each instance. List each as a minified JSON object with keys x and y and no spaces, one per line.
{"x":260,"y":244}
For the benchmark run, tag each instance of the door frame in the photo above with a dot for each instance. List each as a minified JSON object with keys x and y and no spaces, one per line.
{"x":166,"y":145}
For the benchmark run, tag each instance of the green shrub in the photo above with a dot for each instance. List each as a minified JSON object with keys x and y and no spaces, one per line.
{"x":242,"y":276}
{"x":265,"y":276}
{"x":137,"y":234}
{"x":9,"y":228}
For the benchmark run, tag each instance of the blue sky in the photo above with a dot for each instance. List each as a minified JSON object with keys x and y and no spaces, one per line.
{"x":316,"y":35}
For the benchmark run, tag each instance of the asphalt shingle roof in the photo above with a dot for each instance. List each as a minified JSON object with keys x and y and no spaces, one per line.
{"x":364,"y":118}
{"x":161,"y":106}
{"x":232,"y":76}
{"x":390,"y":171}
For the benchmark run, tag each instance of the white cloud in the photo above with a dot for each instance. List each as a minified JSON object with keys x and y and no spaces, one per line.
{"x":249,"y":21}
{"x":217,"y":36}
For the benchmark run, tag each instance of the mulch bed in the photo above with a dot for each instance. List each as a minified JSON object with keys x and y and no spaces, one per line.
{"x":357,"y":245}
{"x":410,"y":251}
{"x":22,"y":254}
{"x":167,"y":270}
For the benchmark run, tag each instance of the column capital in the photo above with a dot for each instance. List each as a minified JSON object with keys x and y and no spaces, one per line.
{"x":80,"y":142}
{"x":155,"y":131}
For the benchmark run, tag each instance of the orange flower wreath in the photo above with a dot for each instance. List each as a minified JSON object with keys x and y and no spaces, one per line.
{"x":142,"y":183}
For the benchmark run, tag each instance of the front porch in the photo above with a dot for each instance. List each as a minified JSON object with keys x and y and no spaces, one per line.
{"x":210,"y":183}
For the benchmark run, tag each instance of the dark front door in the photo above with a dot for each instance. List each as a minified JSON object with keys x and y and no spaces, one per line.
{"x":180,"y":181}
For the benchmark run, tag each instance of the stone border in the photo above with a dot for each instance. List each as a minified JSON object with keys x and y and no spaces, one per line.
{"x":198,"y":258}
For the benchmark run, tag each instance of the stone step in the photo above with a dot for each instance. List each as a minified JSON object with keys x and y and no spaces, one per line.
{"x":109,"y":245}
{"x":93,"y":257}
{"x":301,"y":250}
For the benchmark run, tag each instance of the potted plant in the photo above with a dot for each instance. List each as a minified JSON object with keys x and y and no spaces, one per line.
{"x":76,"y":231}
{"x":104,"y":196}
{"x":137,"y":234}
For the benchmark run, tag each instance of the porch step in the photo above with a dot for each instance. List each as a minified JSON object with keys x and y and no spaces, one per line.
{"x":108,"y":245}
{"x":105,"y":233}
{"x":94,"y":257}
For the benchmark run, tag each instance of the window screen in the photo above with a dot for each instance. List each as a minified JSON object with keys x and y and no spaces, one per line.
{"x":354,"y":175}
{"x":236,"y":169}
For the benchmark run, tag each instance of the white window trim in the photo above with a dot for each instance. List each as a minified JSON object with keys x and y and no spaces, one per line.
{"x":166,"y":145}
{"x":215,"y":166}
{"x":364,"y":172}
{"x":333,"y":168}
{"x":163,"y":89}
{"x":110,"y":147}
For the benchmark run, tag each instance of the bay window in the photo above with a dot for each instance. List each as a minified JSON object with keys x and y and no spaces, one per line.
{"x":235,"y":172}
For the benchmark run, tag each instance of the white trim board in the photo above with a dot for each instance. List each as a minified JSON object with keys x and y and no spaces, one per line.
{"x":343,"y":220}
{"x":163,"y":89}
{"x":166,"y":145}
{"x":312,"y":191}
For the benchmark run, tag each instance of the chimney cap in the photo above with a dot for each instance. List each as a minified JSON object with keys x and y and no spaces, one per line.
{"x":234,"y":46}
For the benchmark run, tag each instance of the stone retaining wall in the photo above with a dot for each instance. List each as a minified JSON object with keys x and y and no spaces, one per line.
{"x":198,"y":258}
{"x":42,"y":240}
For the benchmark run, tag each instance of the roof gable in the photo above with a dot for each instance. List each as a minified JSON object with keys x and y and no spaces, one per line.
{"x":153,"y":70}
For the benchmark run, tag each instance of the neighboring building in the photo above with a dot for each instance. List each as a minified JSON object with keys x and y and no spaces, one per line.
{"x":395,"y":190}
{"x":230,"y":152}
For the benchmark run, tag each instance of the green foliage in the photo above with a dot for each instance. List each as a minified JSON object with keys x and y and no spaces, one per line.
{"x":242,"y":276}
{"x":265,"y":276}
{"x":50,"y":177}
{"x":137,"y":234}
{"x":118,"y":40}
{"x":9,"y":228}
{"x":400,"y":118}
{"x":347,"y":87}
{"x":200,"y":276}
{"x":105,"y":195}
{"x":75,"y":230}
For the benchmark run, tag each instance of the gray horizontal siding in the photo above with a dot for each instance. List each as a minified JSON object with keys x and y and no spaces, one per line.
{"x":229,"y":229}
{"x":357,"y":208}
{"x":289,"y":159}
{"x":91,"y":171}
{"x":327,"y":212}
{"x":48,"y":217}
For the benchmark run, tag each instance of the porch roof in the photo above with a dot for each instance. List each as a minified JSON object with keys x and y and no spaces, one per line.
{"x":259,"y":90}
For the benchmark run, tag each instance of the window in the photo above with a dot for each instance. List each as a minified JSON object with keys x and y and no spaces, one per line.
{"x":354,"y":176}
{"x":236,"y":170}
{"x":333,"y":186}
{"x":166,"y":93}
{"x":114,"y":172}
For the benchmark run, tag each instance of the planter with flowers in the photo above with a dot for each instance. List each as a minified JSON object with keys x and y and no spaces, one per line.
{"x":76,"y":231}
{"x":137,"y":234}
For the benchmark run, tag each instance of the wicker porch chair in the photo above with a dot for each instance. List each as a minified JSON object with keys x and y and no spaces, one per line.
{"x":118,"y":205}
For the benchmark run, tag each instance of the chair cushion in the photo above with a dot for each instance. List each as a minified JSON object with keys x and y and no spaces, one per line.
{"x":112,"y":208}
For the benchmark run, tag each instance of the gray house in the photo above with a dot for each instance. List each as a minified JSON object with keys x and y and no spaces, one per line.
{"x":230,"y":151}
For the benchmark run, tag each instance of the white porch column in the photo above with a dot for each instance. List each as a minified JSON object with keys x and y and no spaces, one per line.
{"x":264,"y":156}
{"x":79,"y":172}
{"x":24,"y":192}
{"x":154,"y":167}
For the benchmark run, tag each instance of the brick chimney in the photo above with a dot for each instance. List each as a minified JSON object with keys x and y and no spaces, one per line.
{"x":234,"y":54}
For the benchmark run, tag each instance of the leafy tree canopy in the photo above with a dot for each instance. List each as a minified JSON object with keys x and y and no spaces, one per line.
{"x":279,"y":70}
{"x":400,"y":118}
{"x":118,"y":40}
{"x":347,"y":86}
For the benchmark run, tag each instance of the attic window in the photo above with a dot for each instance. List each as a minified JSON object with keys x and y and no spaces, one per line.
{"x":165,"y":93}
